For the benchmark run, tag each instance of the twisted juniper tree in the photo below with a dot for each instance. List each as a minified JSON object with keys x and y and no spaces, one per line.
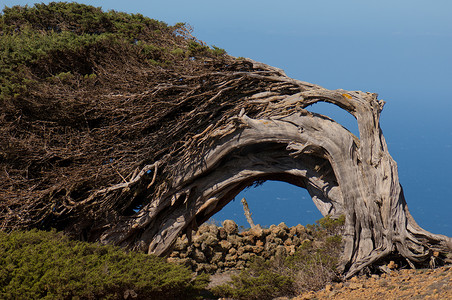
{"x":147,"y":140}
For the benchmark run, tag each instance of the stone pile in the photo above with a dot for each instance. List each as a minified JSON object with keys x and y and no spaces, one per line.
{"x":218,"y":249}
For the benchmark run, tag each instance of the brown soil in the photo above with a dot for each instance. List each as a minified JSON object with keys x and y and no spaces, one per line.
{"x":402,"y":284}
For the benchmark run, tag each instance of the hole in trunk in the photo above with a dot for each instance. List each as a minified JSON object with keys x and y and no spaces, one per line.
{"x":336,"y":113}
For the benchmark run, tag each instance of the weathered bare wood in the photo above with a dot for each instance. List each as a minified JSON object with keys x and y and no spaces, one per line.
{"x":343,"y":174}
{"x":246,"y":210}
{"x":251,"y":123}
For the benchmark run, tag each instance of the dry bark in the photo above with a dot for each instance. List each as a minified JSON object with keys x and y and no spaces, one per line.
{"x":246,"y":210}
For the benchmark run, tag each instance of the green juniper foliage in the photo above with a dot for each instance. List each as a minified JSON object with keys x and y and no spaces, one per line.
{"x":44,"y":40}
{"x":47,"y":265}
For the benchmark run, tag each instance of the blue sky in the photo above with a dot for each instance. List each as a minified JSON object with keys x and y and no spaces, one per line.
{"x":401,"y":50}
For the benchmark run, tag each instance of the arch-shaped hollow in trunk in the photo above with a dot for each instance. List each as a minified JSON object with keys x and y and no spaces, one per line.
{"x":261,"y":162}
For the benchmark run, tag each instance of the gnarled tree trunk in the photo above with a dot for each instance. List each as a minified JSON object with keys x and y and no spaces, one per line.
{"x":244,"y":124}
{"x":344,"y":174}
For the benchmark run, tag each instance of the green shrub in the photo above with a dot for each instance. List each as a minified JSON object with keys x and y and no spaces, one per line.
{"x":196,"y":49}
{"x":328,"y":225}
{"x":218,"y":51}
{"x":44,"y":40}
{"x":249,"y":284}
{"x":47,"y":265}
{"x":178,"y":52}
{"x":48,"y":39}
{"x":313,"y":265}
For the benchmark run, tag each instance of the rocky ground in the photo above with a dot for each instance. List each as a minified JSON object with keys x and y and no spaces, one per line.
{"x":222,"y":249}
{"x":402,"y":284}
